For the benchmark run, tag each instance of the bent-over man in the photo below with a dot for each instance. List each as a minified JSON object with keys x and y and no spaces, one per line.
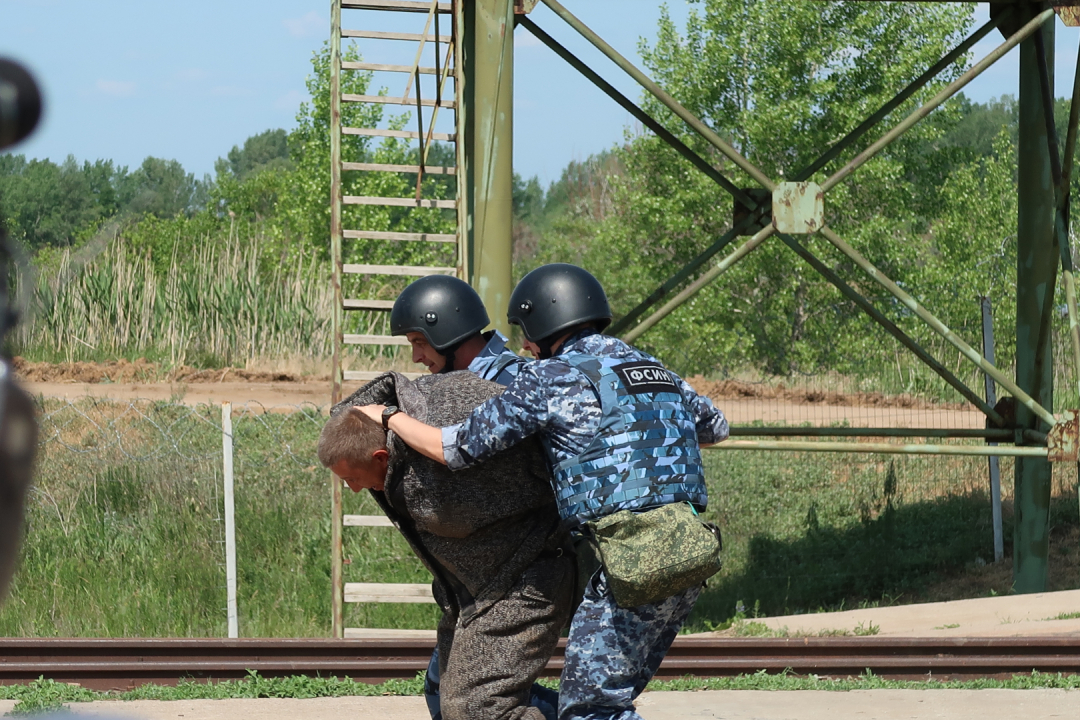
{"x":502,"y":568}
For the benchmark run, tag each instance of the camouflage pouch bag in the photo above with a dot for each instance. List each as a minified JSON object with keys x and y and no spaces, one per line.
{"x":652,"y":555}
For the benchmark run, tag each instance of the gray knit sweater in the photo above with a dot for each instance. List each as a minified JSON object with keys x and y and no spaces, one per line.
{"x":478,"y":529}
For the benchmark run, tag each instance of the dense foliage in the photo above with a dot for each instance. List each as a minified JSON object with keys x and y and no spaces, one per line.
{"x":936,"y":210}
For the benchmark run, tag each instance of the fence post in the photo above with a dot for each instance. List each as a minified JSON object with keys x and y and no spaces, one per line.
{"x":991,"y":399}
{"x":230,"y":524}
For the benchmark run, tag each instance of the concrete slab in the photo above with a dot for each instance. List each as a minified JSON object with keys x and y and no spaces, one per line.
{"x":731,"y":705}
{"x":861,"y":704}
{"x":1004,"y":616}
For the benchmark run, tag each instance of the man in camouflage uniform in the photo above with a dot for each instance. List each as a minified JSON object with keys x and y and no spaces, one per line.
{"x":572,"y":398}
{"x":444,"y":320}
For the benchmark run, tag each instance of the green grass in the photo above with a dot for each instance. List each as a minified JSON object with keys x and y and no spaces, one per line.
{"x":754,"y":628}
{"x":806,"y":532}
{"x":124,"y":536}
{"x":124,"y":540}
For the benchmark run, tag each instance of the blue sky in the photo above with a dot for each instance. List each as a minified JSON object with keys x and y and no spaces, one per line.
{"x":124,"y":79}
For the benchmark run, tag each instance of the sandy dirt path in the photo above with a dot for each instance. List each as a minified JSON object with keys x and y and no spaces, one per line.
{"x":266,"y":393}
{"x":289,"y":394}
{"x":732,"y":705}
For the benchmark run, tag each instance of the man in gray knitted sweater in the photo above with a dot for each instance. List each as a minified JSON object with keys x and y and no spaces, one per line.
{"x":503,"y":573}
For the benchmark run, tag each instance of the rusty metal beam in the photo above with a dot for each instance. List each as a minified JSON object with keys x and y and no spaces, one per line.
{"x":107,"y":664}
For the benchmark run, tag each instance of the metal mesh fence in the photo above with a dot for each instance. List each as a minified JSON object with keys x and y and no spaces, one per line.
{"x":126,"y":526}
{"x":812,"y":530}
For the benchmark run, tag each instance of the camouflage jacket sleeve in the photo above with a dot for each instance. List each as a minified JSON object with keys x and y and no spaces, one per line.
{"x":501,"y":422}
{"x":712,"y":426}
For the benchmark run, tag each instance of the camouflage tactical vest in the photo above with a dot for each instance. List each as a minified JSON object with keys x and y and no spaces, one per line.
{"x":646,"y":452}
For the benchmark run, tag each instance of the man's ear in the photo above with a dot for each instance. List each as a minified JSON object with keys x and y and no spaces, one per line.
{"x":381,"y":456}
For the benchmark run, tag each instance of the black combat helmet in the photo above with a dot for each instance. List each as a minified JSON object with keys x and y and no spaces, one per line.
{"x":557,"y":297}
{"x":446,"y":310}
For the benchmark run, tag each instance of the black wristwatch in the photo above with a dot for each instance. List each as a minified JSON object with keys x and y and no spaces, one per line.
{"x":387,"y":413}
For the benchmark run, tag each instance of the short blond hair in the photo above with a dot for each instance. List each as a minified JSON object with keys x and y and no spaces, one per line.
{"x":351,"y":436}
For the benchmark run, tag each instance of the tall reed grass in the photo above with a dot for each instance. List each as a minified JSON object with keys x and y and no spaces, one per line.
{"x":222,"y":307}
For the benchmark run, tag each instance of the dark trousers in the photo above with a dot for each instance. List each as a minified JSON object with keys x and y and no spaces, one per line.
{"x":488,"y":666}
{"x":543,"y":698}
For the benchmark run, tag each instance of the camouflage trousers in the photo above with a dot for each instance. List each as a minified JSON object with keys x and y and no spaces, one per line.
{"x":613,"y":652}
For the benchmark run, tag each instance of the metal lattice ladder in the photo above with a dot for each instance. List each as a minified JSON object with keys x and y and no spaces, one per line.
{"x":447,"y":52}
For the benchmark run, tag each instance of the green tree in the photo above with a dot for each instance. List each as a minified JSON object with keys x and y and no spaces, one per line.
{"x":45,"y":204}
{"x":162,"y":188}
{"x":781,"y":82}
{"x":267,"y":150}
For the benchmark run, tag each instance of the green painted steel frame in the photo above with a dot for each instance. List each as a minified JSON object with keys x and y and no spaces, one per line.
{"x":1036,"y":276}
{"x":1038,"y":171}
{"x":1016,"y":38}
{"x":677,"y":279}
{"x":487,"y":133}
{"x":883,"y":449}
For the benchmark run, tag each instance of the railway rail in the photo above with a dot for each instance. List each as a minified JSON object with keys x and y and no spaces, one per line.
{"x":105,"y":664}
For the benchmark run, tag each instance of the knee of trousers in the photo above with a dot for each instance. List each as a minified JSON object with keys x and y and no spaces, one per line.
{"x":486,"y":695}
{"x":484,"y":706}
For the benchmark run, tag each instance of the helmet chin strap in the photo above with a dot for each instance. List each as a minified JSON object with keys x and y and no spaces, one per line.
{"x":448,"y":366}
{"x":546,"y":343}
{"x":545,"y":348}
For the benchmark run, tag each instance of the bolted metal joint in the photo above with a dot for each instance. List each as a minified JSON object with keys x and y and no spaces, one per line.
{"x":1063,"y":440}
{"x":798,"y":208}
{"x":1068,"y":12}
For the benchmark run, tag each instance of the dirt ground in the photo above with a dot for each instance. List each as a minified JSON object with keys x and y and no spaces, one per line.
{"x":1049,"y":613}
{"x":742,"y":402}
{"x":732,"y":705}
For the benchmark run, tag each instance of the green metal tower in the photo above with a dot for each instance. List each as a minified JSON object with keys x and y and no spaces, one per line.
{"x":778,"y":212}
